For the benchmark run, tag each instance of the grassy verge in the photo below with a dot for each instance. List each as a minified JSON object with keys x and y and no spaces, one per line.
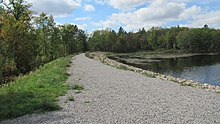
{"x":35,"y":93}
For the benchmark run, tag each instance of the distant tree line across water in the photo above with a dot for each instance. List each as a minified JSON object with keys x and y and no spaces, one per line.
{"x":175,"y":38}
{"x":27,"y":41}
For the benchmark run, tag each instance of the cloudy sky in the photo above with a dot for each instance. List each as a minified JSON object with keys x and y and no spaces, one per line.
{"x":131,"y":14}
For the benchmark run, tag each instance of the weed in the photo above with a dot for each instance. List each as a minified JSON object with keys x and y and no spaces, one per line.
{"x":68,"y":65}
{"x":78,"y":91}
{"x":71,"y":98}
{"x":184,"y":84}
{"x":124,"y":68}
{"x":87,"y":102}
{"x":78,"y":87}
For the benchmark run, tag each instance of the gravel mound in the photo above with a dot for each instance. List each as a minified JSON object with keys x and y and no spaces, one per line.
{"x":118,"y":96}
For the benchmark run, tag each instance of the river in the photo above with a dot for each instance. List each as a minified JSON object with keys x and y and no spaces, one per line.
{"x":200,"y":68}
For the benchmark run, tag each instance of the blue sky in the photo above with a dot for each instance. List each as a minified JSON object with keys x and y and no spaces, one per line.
{"x":132,"y":15}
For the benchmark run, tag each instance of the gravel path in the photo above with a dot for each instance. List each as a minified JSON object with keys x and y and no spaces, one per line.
{"x":117,"y":96}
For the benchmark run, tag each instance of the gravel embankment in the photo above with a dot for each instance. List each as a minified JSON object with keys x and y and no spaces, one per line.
{"x":117,"y":96}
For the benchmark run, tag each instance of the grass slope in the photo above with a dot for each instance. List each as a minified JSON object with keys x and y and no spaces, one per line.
{"x":35,"y":93}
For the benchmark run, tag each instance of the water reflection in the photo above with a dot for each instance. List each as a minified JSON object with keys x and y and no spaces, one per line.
{"x":201,"y":68}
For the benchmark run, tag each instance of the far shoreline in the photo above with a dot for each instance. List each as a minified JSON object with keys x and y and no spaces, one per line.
{"x":163,"y":54}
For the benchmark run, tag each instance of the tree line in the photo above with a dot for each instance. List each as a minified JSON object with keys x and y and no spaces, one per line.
{"x":28,"y":41}
{"x":175,"y":38}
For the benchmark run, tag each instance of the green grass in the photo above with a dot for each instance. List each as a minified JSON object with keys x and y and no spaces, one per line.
{"x":182,"y":84}
{"x":124,"y":68}
{"x":78,"y":87}
{"x":36,"y":92}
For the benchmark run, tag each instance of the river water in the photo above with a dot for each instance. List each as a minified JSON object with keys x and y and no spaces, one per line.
{"x":200,"y":68}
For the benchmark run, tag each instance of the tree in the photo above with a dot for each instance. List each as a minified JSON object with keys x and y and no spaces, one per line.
{"x":15,"y":33}
{"x":194,"y":39}
{"x":27,"y":44}
{"x":96,"y":41}
{"x":1,"y":44}
{"x":57,"y":45}
{"x":215,"y":42}
{"x":121,"y":43}
{"x":1,"y":61}
{"x":141,"y":38}
{"x":68,"y":35}
{"x":170,"y":39}
{"x":152,"y":38}
{"x":206,"y":26}
{"x":112,"y":40}
{"x":45,"y":26}
{"x":81,"y":44}
{"x":183,"y":40}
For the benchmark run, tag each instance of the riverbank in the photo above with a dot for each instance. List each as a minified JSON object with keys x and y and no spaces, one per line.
{"x":36,"y":92}
{"x":159,"y":54}
{"x":100,"y":56}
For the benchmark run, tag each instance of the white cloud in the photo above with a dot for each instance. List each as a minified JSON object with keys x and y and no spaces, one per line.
{"x":82,"y":26}
{"x":160,"y":13}
{"x":190,"y":12}
{"x":123,"y":4}
{"x":82,"y":19}
{"x":126,"y":4}
{"x":135,"y":14}
{"x":89,"y":8}
{"x":102,"y":2}
{"x":57,"y":8}
{"x":104,"y":24}
{"x":212,"y":19}
{"x":157,"y":13}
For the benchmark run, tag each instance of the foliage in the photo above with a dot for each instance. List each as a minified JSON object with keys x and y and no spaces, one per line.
{"x":36,"y":92}
{"x":174,"y":38}
{"x":29,"y":41}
